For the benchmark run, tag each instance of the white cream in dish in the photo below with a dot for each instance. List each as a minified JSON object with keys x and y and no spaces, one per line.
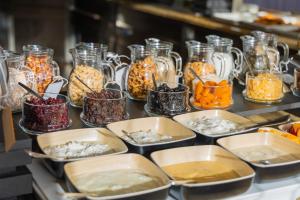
{"x":148,"y":136}
{"x":115,"y":182}
{"x":211,"y":126}
{"x":259,"y":152}
{"x":77,"y":149}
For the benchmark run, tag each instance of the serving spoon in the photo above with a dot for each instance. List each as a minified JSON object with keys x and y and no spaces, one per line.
{"x":40,"y":155}
{"x":196,"y":75}
{"x":30,"y":91}
{"x":83,"y":83}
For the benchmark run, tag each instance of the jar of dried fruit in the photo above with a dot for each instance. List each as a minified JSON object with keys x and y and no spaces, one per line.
{"x":212,"y":94}
{"x":139,"y":75}
{"x":40,"y":60}
{"x":91,"y":69}
{"x":201,"y":58}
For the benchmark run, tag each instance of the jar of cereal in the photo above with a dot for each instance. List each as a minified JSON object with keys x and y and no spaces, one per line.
{"x":139,"y":75}
{"x":89,"y":67}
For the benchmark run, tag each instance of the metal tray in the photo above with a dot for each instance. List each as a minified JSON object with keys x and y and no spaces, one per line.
{"x":100,"y":135}
{"x":206,"y":190}
{"x":125,"y":161}
{"x":243,"y":123}
{"x":161,"y":125}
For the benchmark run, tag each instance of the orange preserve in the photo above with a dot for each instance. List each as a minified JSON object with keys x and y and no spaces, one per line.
{"x":211,"y":94}
{"x":201,"y":69}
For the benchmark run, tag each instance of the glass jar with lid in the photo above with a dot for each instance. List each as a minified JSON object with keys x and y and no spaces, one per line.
{"x":18,"y":72}
{"x":139,"y":75}
{"x":40,"y":60}
{"x":201,"y":59}
{"x":223,"y":47}
{"x":89,"y":68}
{"x":169,"y":63}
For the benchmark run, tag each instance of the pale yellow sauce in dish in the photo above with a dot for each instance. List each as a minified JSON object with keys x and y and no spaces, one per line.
{"x":201,"y":171}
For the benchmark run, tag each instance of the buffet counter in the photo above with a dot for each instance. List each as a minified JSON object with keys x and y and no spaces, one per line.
{"x":213,"y":23}
{"x":47,"y":187}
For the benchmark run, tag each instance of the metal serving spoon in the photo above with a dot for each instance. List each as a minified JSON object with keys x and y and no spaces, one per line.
{"x":40,"y":155}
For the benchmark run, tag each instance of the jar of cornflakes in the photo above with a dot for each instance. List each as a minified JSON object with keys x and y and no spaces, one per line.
{"x":264,"y":87}
{"x":90,"y":68}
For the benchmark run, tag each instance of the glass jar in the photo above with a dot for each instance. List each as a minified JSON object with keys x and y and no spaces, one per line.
{"x":4,"y":76}
{"x":223,"y":47}
{"x":264,"y":87}
{"x":167,"y":69}
{"x":18,"y":72}
{"x":40,"y":60}
{"x":104,"y":107}
{"x":168,"y":101}
{"x":212,"y":94}
{"x":47,"y":115}
{"x":89,"y":68}
{"x":139,"y":75}
{"x":256,"y":56}
{"x":201,"y":59}
{"x":272,"y":42}
{"x":103,"y":48}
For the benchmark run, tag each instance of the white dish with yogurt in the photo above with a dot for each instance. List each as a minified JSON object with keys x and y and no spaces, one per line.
{"x":214,"y":123}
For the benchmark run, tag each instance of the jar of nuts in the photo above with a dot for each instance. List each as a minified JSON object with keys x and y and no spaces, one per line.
{"x":139,"y":75}
{"x":89,"y":67}
{"x":201,"y":58}
{"x":40,"y":60}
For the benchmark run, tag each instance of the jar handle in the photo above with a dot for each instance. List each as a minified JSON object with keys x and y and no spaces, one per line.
{"x":285,"y":59}
{"x":55,"y":67}
{"x":59,"y":78}
{"x":238,"y":62}
{"x":178,"y":63}
{"x":222,"y":61}
{"x":277,"y":58}
{"x":111,"y":69}
{"x":5,"y":80}
{"x":112,"y":81}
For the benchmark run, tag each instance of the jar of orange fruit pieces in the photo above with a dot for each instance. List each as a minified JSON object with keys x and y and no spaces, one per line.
{"x":40,"y":60}
{"x":212,"y":94}
{"x":201,"y":59}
